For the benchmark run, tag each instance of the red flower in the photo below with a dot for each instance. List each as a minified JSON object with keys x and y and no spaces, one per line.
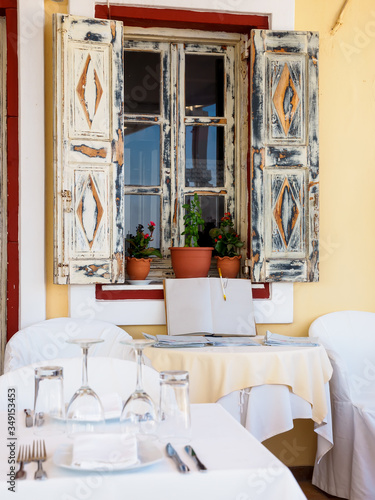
{"x":152,"y":223}
{"x":147,"y":235}
{"x":215,"y":240}
{"x":220,"y":236}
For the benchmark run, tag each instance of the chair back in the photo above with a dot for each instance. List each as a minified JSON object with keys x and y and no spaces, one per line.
{"x":349,"y":338}
{"x":47,"y":340}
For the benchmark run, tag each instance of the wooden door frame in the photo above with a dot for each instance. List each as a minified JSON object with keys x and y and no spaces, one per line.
{"x":3,"y":192}
{"x":9,"y":180}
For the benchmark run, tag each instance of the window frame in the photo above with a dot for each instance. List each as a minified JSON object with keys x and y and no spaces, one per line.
{"x":172,"y":144}
{"x":139,"y":26}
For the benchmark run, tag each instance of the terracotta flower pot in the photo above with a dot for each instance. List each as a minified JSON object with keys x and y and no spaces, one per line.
{"x":191,"y":262}
{"x":138,"y":269}
{"x":230,"y":266}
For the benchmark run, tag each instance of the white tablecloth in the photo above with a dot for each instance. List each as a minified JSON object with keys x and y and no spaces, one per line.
{"x":282,"y":384}
{"x":239,"y":468}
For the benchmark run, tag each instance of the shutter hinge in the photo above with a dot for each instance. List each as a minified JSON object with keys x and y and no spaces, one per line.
{"x":66,"y":196}
{"x":245,"y":52}
{"x":64,"y":269}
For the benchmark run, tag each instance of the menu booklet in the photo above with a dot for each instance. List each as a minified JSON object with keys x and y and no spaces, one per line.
{"x":197,"y":306}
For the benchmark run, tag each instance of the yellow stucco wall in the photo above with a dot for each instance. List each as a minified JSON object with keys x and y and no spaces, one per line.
{"x":347,"y":175}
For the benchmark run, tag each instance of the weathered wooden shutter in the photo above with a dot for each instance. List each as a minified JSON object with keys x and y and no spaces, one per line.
{"x":88,"y":154}
{"x":284,"y":156}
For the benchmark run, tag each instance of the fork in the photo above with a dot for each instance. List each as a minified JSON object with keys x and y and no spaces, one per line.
{"x":22,"y":459}
{"x":39,"y":455}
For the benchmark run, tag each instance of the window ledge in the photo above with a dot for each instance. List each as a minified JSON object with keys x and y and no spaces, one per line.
{"x":83,"y":303}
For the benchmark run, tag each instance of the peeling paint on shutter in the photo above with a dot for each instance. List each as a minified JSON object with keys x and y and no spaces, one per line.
{"x":88,"y":151}
{"x":284,"y":156}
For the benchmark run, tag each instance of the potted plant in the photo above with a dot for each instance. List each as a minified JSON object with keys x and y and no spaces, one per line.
{"x":191,"y":261}
{"x":139,"y":261}
{"x":227,"y":243}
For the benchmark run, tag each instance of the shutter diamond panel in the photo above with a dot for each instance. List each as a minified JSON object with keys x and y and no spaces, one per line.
{"x":89,"y":177}
{"x":284,"y":156}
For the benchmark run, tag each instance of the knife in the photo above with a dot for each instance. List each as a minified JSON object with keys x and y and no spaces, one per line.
{"x":189,"y":450}
{"x":172,"y":453}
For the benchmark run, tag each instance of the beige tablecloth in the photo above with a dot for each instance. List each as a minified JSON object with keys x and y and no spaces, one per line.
{"x":217,"y":371}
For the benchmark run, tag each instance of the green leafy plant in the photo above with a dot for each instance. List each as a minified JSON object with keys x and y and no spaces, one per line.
{"x":225,"y":239}
{"x":139,"y":243}
{"x":192,"y":220}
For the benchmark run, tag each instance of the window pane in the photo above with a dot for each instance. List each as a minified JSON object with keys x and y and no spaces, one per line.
{"x":204,"y":156}
{"x":142,"y":82}
{"x":204,"y":85}
{"x":212,"y":212}
{"x":142,"y":155}
{"x":141,"y":209}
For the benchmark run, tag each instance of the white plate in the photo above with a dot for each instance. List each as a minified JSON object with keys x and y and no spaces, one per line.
{"x":148,"y":454}
{"x":139,"y":282}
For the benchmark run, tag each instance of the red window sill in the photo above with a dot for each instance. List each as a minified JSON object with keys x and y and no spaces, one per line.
{"x":260,"y":291}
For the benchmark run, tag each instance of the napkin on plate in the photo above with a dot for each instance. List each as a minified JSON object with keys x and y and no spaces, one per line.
{"x":93,"y":451}
{"x":112,"y":405}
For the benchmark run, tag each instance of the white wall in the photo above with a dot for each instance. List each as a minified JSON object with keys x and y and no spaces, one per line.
{"x":31,"y":161}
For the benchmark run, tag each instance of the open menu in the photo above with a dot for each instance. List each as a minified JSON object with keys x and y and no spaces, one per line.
{"x":197,"y":306}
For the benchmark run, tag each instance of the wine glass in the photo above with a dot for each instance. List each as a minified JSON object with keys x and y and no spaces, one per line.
{"x":85,"y":411}
{"x":139,"y":414}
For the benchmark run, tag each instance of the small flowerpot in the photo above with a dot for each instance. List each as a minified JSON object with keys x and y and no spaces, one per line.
{"x":191,"y":262}
{"x":138,"y":269}
{"x":230,"y":266}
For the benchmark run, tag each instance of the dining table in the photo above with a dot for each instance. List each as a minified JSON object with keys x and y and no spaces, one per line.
{"x":251,"y":381}
{"x":238,"y":466}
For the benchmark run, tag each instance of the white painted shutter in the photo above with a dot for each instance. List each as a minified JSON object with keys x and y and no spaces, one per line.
{"x":284,"y":156}
{"x":88,"y":154}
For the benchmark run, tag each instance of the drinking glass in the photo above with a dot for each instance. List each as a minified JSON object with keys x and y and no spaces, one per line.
{"x":85,"y":411}
{"x":49,"y":410}
{"x":174,"y":424}
{"x":139,"y":414}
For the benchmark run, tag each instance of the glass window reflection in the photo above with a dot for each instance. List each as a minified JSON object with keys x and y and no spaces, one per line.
{"x":204,"y":85}
{"x":212,"y":212}
{"x":142,"y":155}
{"x":204,"y":152}
{"x":141,"y":209}
{"x":142,"y":82}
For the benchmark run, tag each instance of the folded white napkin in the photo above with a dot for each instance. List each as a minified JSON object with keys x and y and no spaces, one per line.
{"x":112,"y":405}
{"x":104,"y":451}
{"x":277,"y":339}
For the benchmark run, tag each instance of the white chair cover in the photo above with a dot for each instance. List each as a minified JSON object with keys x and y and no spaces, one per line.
{"x":47,"y":340}
{"x":346,"y":470}
{"x":106,"y":376}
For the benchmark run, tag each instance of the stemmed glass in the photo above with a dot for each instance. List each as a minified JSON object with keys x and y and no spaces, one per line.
{"x":139,"y":414}
{"x":85,"y":411}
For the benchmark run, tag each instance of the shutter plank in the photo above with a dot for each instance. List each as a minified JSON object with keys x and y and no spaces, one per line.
{"x":89,"y":170}
{"x":284,"y":156}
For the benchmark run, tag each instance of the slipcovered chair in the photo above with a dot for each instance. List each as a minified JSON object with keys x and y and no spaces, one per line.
{"x":47,"y":340}
{"x":347,"y":469}
{"x":107,"y":376}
